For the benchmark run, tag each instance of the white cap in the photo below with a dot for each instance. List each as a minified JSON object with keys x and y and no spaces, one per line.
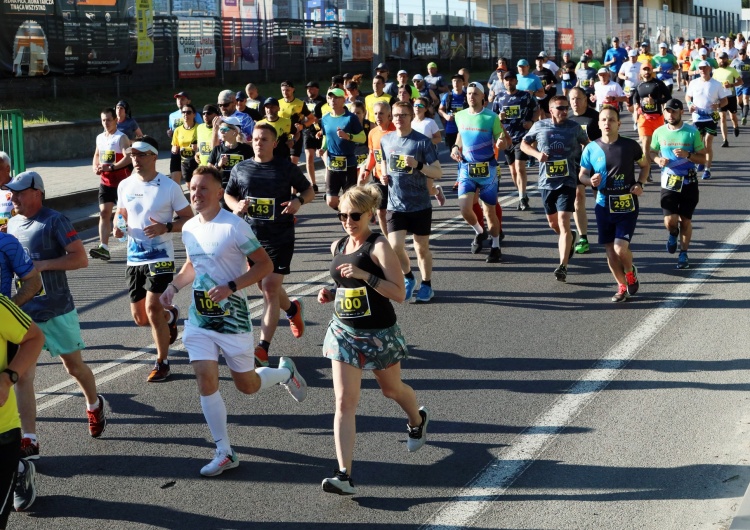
{"x":703,"y":63}
{"x":402,"y":72}
{"x":633,"y":53}
{"x":144,"y":147}
{"x":663,"y":45}
{"x":602,"y":70}
{"x":703,"y":51}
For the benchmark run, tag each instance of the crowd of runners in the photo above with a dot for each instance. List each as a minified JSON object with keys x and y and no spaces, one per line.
{"x":239,"y":157}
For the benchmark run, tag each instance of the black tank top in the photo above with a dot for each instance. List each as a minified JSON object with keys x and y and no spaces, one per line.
{"x":357,"y":304}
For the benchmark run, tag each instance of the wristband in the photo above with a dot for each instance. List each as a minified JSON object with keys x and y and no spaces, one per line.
{"x":232,"y":286}
{"x":176,"y":290}
{"x":419,"y":167}
{"x":169,"y":227}
{"x":374,"y":281}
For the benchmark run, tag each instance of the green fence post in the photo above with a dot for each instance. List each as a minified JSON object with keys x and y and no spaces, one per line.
{"x":11,"y":139}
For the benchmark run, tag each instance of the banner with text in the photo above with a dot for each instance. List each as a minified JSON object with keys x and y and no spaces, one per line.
{"x":452,"y":45}
{"x":240,"y":34}
{"x":196,"y":47}
{"x":425,"y":44}
{"x":144,"y":31}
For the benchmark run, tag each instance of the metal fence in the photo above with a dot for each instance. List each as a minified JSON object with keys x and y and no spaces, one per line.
{"x":11,"y":139}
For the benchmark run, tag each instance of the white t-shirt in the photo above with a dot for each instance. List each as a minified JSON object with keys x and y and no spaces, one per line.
{"x":602,"y":91}
{"x":704,"y":94}
{"x":159,"y":199}
{"x":677,"y":48}
{"x":428,"y":127}
{"x":218,"y":250}
{"x":550,"y":65}
{"x":632,"y":72}
{"x":732,"y":52}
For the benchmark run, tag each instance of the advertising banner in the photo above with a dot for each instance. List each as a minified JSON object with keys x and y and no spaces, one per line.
{"x":39,"y":37}
{"x":397,"y":44}
{"x":479,"y":45}
{"x":362,"y":45}
{"x":240,"y":34}
{"x":565,"y":39}
{"x":452,"y":45}
{"x":346,"y":44}
{"x":425,"y":44}
{"x":196,"y":47}
{"x":144,"y":31}
{"x":504,"y":45}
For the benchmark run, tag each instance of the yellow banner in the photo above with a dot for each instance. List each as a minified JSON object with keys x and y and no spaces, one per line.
{"x":144,"y":16}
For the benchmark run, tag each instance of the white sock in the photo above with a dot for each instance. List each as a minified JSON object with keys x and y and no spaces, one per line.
{"x":170,"y":318}
{"x":30,"y":435}
{"x":92,"y":407}
{"x":272,"y":376}
{"x":215,"y":412}
{"x":478,"y":228}
{"x":495,"y":241}
{"x":105,"y":247}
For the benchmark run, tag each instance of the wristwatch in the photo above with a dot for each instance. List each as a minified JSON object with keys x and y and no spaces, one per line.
{"x":169,"y":227}
{"x":12,"y":374}
{"x":232,"y":286}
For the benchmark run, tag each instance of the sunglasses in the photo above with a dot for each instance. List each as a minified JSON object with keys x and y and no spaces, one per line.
{"x":187,"y":111}
{"x":562,"y":108}
{"x":419,"y":106}
{"x":355,"y":216}
{"x":222,"y":105}
{"x":226,"y":130}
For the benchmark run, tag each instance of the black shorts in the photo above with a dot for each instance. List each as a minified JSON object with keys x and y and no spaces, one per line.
{"x":417,"y":223}
{"x":514,"y":153}
{"x":450,"y":140}
{"x":706,"y":127}
{"x":383,"y":197}
{"x":340,"y":181}
{"x":310,"y":142}
{"x":188,"y":166}
{"x":107,"y":194}
{"x":731,"y":105}
{"x":297,"y":147}
{"x":175,"y":163}
{"x":281,"y":256}
{"x":140,"y":281}
{"x":559,"y":200}
{"x":10,"y":444}
{"x":682,"y":203}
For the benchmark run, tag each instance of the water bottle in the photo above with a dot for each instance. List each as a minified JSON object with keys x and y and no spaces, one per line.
{"x":123,"y":226}
{"x":207,"y":283}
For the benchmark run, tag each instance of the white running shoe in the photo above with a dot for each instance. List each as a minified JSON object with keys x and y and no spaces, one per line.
{"x":417,"y":435}
{"x":221,"y":462}
{"x":341,"y":483}
{"x":296,"y":384}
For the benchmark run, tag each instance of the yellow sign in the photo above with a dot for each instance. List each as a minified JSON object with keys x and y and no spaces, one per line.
{"x":144,"y":20}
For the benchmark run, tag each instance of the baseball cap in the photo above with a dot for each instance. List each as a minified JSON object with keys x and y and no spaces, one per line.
{"x":124,"y":104}
{"x":663,"y":45}
{"x":722,"y":38}
{"x":382,"y":66}
{"x":645,"y":43}
{"x":584,"y":58}
{"x":509,"y":75}
{"x":703,"y":51}
{"x":240,"y":96}
{"x":699,"y":40}
{"x":336,"y":92}
{"x":542,"y":54}
{"x":288,"y":83}
{"x":417,"y":77}
{"x":233,"y":120}
{"x":703,"y":63}
{"x":271,"y":101}
{"x":347,"y":76}
{"x":181,"y":95}
{"x":633,"y":53}
{"x":312,"y":84}
{"x":723,"y":55}
{"x":522,"y":62}
{"x":26,"y":180}
{"x":211,"y":108}
{"x":673,"y":104}
{"x":588,"y":52}
{"x":402,"y":72}
{"x":616,"y":38}
{"x":602,"y":70}
{"x":431,"y":65}
{"x":352,"y":84}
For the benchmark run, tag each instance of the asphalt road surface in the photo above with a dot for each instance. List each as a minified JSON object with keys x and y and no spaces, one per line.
{"x":552,"y":408}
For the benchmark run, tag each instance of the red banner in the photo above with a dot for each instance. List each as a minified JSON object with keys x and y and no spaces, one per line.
{"x":565,"y":39}
{"x":361,"y":44}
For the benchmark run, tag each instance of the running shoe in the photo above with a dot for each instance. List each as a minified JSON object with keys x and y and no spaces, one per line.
{"x":582,"y":247}
{"x":424,"y":294}
{"x":173,"y":326}
{"x":650,"y":178}
{"x":296,"y":384}
{"x":496,"y":255}
{"x":97,"y":419}
{"x":261,"y":356}
{"x":672,"y":243}
{"x":706,"y":174}
{"x":417,"y":435}
{"x":622,"y":293}
{"x":561,"y":273}
{"x":24,"y":493}
{"x":410,"y":284}
{"x":725,"y":143}
{"x":297,"y":322}
{"x":736,"y":131}
{"x":29,"y":449}
{"x":476,"y":245}
{"x":524,"y":204}
{"x":572,"y":245}
{"x":159,"y":373}
{"x":220,"y":463}
{"x":682,"y":260}
{"x":501,"y":236}
{"x":744,"y":120}
{"x":632,"y":280}
{"x":440,"y":196}
{"x":341,"y":483}
{"x":315,"y":188}
{"x":99,"y":253}
{"x":700,"y":167}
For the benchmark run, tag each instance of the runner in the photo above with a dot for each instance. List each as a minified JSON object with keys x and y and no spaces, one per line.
{"x":435,"y":81}
{"x":549,"y":83}
{"x":227,"y":103}
{"x":254,"y":102}
{"x":648,"y":98}
{"x":54,"y":247}
{"x":231,"y":152}
{"x":614,"y":58}
{"x":341,"y":132}
{"x":185,"y":142}
{"x":6,"y":205}
{"x":147,"y":202}
{"x":586,"y":76}
{"x":285,"y":138}
{"x":300,"y":116}
{"x":403,"y":81}
{"x":729,"y":78}
{"x":554,"y":143}
{"x":645,"y":56}
{"x":608,"y":163}
{"x":410,"y":163}
{"x":175,"y":120}
{"x":567,"y":75}
{"x":378,"y":82}
{"x":384,"y":125}
{"x":125,"y":122}
{"x":217,"y":245}
{"x":588,"y":119}
{"x":310,"y":143}
{"x":111,"y":164}
{"x":630,"y":75}
{"x":16,"y":474}
{"x":517,"y":110}
{"x":363,"y":333}
{"x":742,"y":65}
{"x":15,"y":261}
{"x":259,"y":191}
{"x":665,"y":65}
{"x":677,"y":48}
{"x":527,"y":81}
{"x":677,"y":147}
{"x":704,"y":97}
{"x":451,"y":103}
{"x":479,"y":134}
{"x":205,"y":133}
{"x":606,"y":90}
{"x":425,"y":91}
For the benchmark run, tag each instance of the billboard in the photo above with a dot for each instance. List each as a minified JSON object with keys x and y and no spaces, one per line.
{"x":240,"y":33}
{"x":196,"y":47}
{"x":452,"y":45}
{"x":397,"y":44}
{"x":565,"y":39}
{"x":425,"y":44}
{"x":41,"y":37}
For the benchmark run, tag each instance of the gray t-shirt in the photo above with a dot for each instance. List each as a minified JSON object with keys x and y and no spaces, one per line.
{"x":561,"y":142}
{"x":44,"y":237}
{"x":408,"y":189}
{"x":435,"y":82}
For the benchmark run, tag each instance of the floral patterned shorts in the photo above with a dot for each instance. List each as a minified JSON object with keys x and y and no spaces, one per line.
{"x":367,"y":349}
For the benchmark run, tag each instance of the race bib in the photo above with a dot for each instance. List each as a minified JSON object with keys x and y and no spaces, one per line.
{"x":586,"y":83}
{"x":398,"y":163}
{"x":259,"y":208}
{"x":649,"y":107}
{"x":715,"y":116}
{"x":352,"y":303}
{"x":746,"y":67}
{"x":205,"y":149}
{"x":161,"y":267}
{"x":621,"y":203}
{"x":107,"y":157}
{"x":186,"y":152}
{"x":627,"y":90}
{"x":512,"y":112}
{"x":361,"y":159}
{"x":336,"y":163}
{"x":558,"y":168}
{"x":585,"y":128}
{"x":674,"y":183}
{"x":479,"y":169}
{"x":566,"y":77}
{"x":207,"y":307}
{"x":42,"y":291}
{"x":234,"y":160}
{"x":378,"y":155}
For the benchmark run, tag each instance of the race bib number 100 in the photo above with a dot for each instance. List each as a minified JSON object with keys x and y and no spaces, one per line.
{"x":352,"y":303}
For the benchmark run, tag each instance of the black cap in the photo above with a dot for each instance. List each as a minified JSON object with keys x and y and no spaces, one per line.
{"x":337,"y":80}
{"x":674,"y":104}
{"x":211,"y":108}
{"x":312,"y":84}
{"x":457,"y":76}
{"x":288,"y":83}
{"x":723,"y":55}
{"x":271,"y":101}
{"x":382,"y":66}
{"x":348,"y":76}
{"x":240,"y":96}
{"x":509,"y":75}
{"x":352,"y":84}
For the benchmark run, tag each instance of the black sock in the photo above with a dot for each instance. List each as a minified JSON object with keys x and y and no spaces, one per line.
{"x":291,"y":311}
{"x":674,"y":232}
{"x":409,"y":275}
{"x":265,"y":345}
{"x":745,"y":111}
{"x":583,"y":237}
{"x":428,"y":283}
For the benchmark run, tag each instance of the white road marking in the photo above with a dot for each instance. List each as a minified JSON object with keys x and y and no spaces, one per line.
{"x":136,"y":360}
{"x":491,"y":482}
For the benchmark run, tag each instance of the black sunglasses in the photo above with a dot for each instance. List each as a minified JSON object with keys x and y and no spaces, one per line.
{"x":356,"y":216}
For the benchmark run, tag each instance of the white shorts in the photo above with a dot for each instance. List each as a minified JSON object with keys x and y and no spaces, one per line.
{"x":204,"y":345}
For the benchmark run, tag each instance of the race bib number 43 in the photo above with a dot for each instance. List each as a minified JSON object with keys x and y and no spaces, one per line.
{"x":557,"y":169}
{"x":398,"y":163}
{"x":352,"y":303}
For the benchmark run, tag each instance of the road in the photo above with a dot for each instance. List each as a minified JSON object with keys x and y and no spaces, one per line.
{"x":552,"y":408}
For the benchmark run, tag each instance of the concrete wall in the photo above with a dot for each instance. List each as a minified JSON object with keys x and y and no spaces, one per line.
{"x":66,"y":140}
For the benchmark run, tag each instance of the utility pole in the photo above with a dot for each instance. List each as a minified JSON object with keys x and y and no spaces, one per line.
{"x":378,"y":33}
{"x":634,"y":44}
